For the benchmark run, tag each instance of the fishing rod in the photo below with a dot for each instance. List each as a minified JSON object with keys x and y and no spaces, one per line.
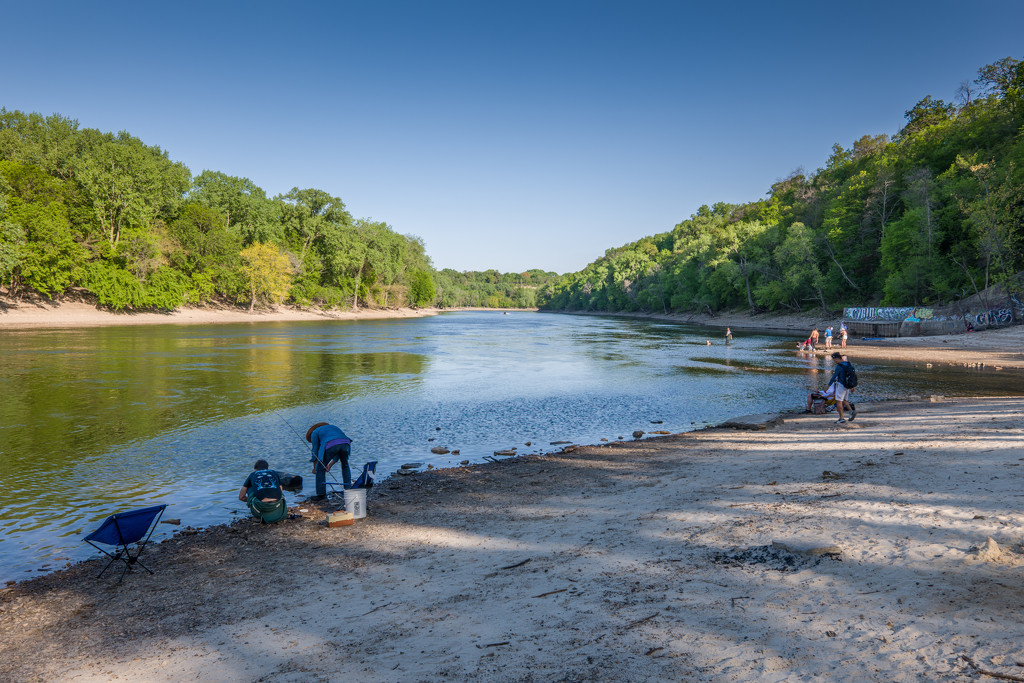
{"x":300,"y":438}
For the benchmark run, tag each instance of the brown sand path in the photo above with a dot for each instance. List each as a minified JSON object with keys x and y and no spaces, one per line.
{"x":635,"y":561}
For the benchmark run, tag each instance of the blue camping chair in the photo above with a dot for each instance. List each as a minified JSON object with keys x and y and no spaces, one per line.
{"x":122,"y":529}
{"x":365,"y":479}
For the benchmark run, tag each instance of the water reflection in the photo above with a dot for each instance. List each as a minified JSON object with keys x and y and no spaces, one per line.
{"x":112,"y":418}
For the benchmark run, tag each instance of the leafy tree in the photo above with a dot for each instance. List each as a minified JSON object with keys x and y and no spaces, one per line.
{"x":130,"y":183}
{"x":421,"y":288}
{"x":267,"y":273}
{"x":243,"y":205}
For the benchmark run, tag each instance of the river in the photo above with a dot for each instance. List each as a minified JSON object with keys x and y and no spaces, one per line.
{"x":97,"y":420}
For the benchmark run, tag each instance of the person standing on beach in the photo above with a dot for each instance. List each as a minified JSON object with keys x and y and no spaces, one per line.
{"x":329,"y":445}
{"x":828,"y":337}
{"x":728,"y":335}
{"x":842,"y":336}
{"x":814,"y":338}
{"x":845,"y":379}
{"x":263,"y":493}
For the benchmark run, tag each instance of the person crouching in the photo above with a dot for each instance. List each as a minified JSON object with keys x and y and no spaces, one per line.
{"x":263,"y":493}
{"x":329,"y":445}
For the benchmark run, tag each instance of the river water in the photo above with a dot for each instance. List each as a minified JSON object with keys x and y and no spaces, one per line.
{"x":97,"y":420}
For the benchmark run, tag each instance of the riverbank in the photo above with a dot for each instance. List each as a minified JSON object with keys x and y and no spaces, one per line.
{"x":657,"y":559}
{"x":41,"y":315}
{"x":999,"y":348}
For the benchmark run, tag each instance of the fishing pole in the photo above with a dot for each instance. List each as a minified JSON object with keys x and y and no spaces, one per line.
{"x":299,"y":436}
{"x":296,"y":433}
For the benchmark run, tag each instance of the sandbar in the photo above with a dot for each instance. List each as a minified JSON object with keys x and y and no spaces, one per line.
{"x":886,"y":549}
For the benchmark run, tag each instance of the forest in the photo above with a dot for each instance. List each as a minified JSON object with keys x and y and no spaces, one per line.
{"x":934,"y":214}
{"x":107,"y":217}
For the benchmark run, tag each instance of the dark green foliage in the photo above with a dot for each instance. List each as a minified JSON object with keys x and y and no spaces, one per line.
{"x":491,"y":289}
{"x":932,"y":215}
{"x":421,"y":288}
{"x":121,"y":219}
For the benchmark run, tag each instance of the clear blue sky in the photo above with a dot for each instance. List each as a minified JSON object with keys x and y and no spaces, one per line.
{"x":507,"y":135}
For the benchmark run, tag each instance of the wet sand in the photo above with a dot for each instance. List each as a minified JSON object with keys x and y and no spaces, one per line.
{"x":809,"y":551}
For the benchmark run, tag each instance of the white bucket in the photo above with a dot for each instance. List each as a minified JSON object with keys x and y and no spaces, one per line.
{"x":355,"y":502}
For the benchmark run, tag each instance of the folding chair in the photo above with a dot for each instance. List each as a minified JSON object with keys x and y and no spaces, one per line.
{"x":365,"y":480}
{"x":367,"y":477}
{"x":122,"y":529}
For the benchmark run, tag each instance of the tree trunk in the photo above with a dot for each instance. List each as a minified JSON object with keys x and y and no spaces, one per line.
{"x":746,"y":279}
{"x":355,"y":293}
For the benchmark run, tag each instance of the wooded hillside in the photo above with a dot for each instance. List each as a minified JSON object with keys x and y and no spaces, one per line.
{"x":107,"y":215}
{"x":934,"y":214}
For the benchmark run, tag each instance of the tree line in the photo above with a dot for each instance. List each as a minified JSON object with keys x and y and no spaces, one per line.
{"x":105,"y":214}
{"x":491,"y":289}
{"x":934,"y":214}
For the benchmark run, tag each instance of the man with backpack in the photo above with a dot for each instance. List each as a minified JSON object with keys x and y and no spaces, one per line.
{"x":845,"y":379}
{"x":263,"y":493}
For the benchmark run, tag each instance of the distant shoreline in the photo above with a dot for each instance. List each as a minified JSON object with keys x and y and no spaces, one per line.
{"x":995,"y":349}
{"x":76,"y":314}
{"x":1003,"y":348}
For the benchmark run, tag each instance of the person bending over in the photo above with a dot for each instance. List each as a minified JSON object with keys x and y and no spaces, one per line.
{"x":329,"y":445}
{"x":263,"y":494}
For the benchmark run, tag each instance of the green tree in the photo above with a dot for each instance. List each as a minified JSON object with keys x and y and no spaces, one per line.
{"x":267,"y":273}
{"x":243,"y":205}
{"x":421,"y":288}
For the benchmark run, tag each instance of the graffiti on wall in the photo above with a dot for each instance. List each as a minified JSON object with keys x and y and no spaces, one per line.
{"x":885,"y":313}
{"x":1010,"y":311}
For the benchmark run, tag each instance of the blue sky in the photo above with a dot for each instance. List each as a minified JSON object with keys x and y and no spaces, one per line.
{"x":507,"y":135}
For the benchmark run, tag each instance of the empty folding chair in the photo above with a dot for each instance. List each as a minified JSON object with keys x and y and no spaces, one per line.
{"x":365,"y":479}
{"x":123,"y":529}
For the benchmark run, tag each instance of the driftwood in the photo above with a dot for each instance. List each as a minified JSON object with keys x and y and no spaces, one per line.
{"x":993,"y":674}
{"x":375,"y":609}
{"x":640,"y":621}
{"x":560,"y":590}
{"x":517,"y":564}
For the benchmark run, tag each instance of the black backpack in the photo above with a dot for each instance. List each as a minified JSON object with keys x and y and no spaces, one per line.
{"x":847,"y":375}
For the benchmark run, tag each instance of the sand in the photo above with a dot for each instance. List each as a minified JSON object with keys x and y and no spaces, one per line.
{"x":43,"y":315}
{"x":809,"y":551}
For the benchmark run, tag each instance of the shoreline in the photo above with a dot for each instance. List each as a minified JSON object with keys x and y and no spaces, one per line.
{"x":639,"y":560}
{"x":77,"y":314}
{"x":996,"y":349}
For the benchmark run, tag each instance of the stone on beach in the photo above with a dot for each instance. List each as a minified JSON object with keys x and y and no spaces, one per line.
{"x":807,"y":548}
{"x":759,"y":421}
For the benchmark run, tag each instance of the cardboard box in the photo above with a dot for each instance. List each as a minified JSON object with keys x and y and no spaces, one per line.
{"x":341,"y":518}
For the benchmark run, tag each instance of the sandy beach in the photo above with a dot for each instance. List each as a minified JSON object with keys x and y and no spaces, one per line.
{"x":808,"y":551}
{"x":43,"y":315}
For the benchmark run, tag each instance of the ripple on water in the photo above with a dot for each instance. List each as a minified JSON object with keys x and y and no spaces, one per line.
{"x":178,"y":414}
